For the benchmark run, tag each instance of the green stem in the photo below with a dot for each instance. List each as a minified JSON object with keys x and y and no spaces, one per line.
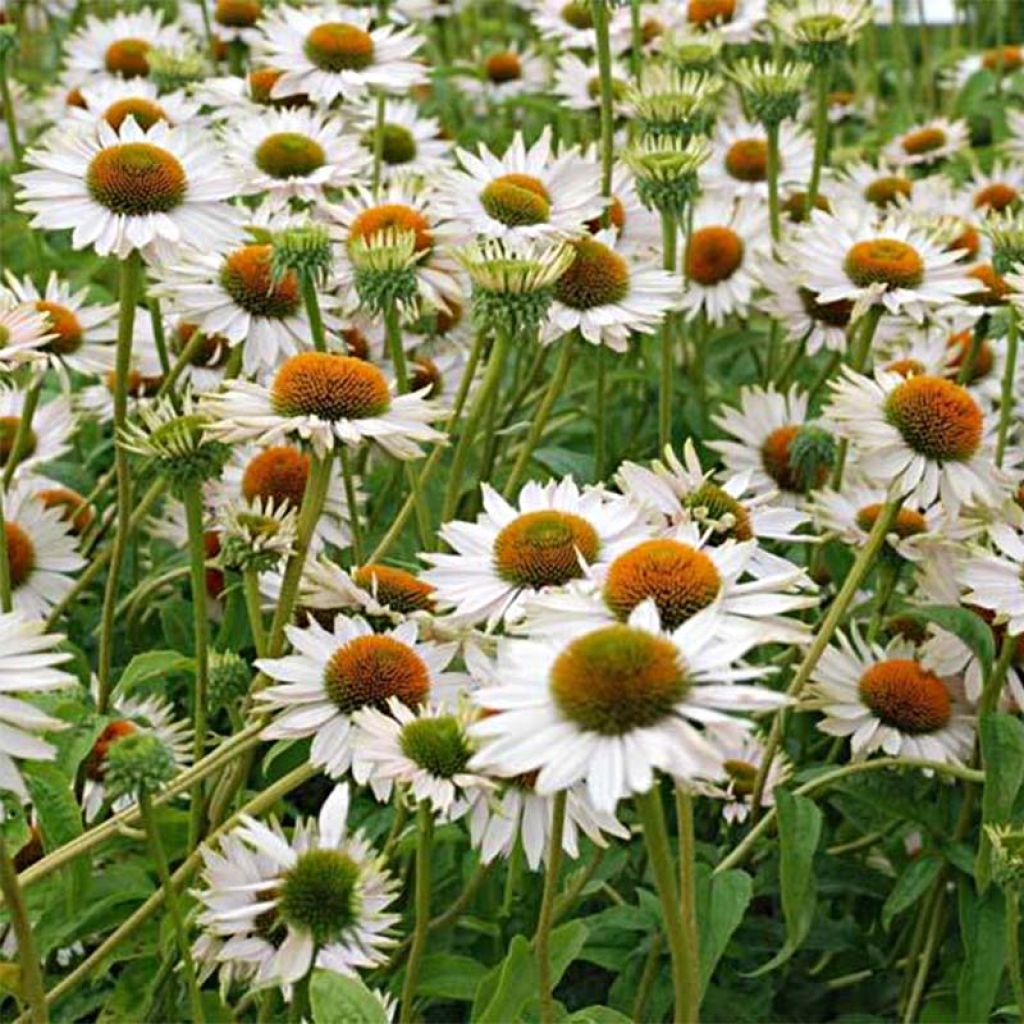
{"x":600,"y":419}
{"x":1006,"y":400}
{"x":159,"y":337}
{"x":23,"y":431}
{"x":10,"y":121}
{"x":636,"y":39}
{"x":172,"y":903}
{"x":821,"y":83}
{"x":311,"y":301}
{"x":688,"y":884}
{"x":378,"y":143}
{"x":5,"y":565}
{"x":309,"y":513}
{"x":130,"y":286}
{"x":193,"y":501}
{"x":956,"y":771}
{"x":772,"y":169}
{"x":604,"y":68}
{"x":669,"y":236}
{"x":14,"y":899}
{"x":485,"y":396}
{"x":540,"y":418}
{"x":352,"y":501}
{"x":424,"y":837}
{"x":1013,"y":948}
{"x":542,"y":936}
{"x":858,"y":571}
{"x":251,"y":588}
{"x":652,"y":818}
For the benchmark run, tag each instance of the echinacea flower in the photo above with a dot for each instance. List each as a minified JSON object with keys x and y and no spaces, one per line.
{"x":885,"y":699}
{"x":129,"y":189}
{"x":612,"y":705}
{"x":28,"y":660}
{"x":333,"y":673}
{"x":928,"y":143}
{"x":329,"y":892}
{"x":327,"y":400}
{"x":544,"y":540}
{"x":920,"y":436}
{"x":329,"y":51}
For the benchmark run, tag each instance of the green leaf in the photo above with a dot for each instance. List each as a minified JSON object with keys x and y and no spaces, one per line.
{"x":448,"y":976}
{"x":566,"y":943}
{"x":597,"y":1015}
{"x":983,"y":931}
{"x":1002,"y":753}
{"x":335,"y":999}
{"x":910,"y":886}
{"x":962,"y":622}
{"x":152,"y":665}
{"x":799,"y":832}
{"x":506,"y":989}
{"x":721,"y":903}
{"x":60,"y":821}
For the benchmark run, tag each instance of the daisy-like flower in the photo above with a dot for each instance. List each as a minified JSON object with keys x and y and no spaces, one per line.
{"x":578,"y":84}
{"x":606,"y":297}
{"x":893,"y":264}
{"x":885,"y":699}
{"x":526,"y":193}
{"x":402,"y":209}
{"x":739,"y":162}
{"x":508,"y":72}
{"x":81,"y":332}
{"x":998,"y":191}
{"x":128,"y":716}
{"x":277,"y":476}
{"x":819,"y":27}
{"x":411,"y":143}
{"x":47,"y":439}
{"x":994,"y":580}
{"x":329,"y":51}
{"x":682,"y":576}
{"x":735,"y":21}
{"x":880,"y":185}
{"x":234,"y":21}
{"x":545,"y":540}
{"x":818,"y":325}
{"x":522,"y":815}
{"x":232,"y":942}
{"x":40,"y":553}
{"x":374,"y":590}
{"x":330,"y":893}
{"x":744,"y":758}
{"x":916,"y":534}
{"x":129,"y":189}
{"x":682,"y":491}
{"x":724,"y":254}
{"x":426,"y":751}
{"x":336,"y":672}
{"x":611,"y":705}
{"x":324,"y":399}
{"x":292,"y":154}
{"x":231,"y":293}
{"x":920,"y":436}
{"x":571,"y":25}
{"x":120,"y":45}
{"x":774,"y":442}
{"x":28,"y":660}
{"x":114,"y":99}
{"x":24,"y":332}
{"x":928,"y":143}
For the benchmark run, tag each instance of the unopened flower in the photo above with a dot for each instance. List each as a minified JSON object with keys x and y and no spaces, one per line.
{"x":821,"y":29}
{"x":772,"y":90}
{"x":256,"y":535}
{"x":669,"y":102}
{"x":666,"y":170}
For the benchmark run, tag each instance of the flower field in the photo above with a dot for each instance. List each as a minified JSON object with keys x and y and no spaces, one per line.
{"x":511,"y":511}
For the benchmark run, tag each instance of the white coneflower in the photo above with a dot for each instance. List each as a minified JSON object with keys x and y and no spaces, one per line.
{"x":130,"y":189}
{"x":28,"y":660}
